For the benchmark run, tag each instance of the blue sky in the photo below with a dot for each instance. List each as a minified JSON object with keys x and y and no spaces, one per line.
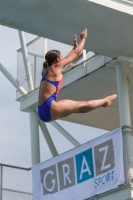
{"x":14,"y":125}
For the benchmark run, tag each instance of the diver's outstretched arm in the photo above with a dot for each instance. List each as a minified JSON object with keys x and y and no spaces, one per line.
{"x":75,"y":52}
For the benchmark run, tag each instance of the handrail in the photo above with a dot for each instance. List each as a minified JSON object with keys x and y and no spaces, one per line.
{"x":81,"y":63}
{"x":129,"y":127}
{"x":23,"y":168}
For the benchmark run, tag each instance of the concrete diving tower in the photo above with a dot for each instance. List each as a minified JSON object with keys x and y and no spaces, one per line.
{"x":109,"y":71}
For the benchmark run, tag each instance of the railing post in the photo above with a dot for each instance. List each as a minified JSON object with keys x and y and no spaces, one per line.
{"x":26,"y":61}
{"x":84,"y":56}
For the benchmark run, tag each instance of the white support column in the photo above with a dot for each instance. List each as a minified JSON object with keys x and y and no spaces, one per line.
{"x":35,"y":146}
{"x":130,"y":78}
{"x":123,"y":96}
{"x":12,"y":80}
{"x":65,"y":134}
{"x":45,"y":46}
{"x":48,"y":139}
{"x":26,"y":61}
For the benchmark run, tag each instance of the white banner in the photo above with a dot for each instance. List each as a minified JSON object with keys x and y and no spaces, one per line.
{"x":88,"y":170}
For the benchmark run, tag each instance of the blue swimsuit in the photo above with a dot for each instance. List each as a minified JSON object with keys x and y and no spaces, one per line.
{"x":44,"y":108}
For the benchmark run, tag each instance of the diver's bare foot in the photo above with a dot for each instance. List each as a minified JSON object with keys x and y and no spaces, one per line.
{"x":109,"y":100}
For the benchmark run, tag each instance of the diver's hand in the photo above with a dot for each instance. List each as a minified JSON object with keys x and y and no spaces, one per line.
{"x":83,"y":34}
{"x":75,"y":41}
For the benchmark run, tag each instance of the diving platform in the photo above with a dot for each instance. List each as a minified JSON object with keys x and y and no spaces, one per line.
{"x":109,"y":23}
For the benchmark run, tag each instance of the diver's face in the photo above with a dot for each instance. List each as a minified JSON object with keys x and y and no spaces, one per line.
{"x":60,"y":57}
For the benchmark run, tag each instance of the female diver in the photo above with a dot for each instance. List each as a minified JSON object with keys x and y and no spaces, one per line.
{"x":48,"y":108}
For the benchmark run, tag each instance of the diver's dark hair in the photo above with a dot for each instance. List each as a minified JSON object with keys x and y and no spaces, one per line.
{"x":50,"y":58}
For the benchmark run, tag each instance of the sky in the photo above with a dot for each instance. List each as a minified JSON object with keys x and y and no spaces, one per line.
{"x":15,"y":147}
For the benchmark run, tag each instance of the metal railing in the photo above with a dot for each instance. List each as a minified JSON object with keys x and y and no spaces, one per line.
{"x":127,"y":134}
{"x":15,"y":183}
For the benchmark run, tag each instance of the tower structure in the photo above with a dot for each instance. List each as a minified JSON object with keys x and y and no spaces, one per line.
{"x":111,"y":66}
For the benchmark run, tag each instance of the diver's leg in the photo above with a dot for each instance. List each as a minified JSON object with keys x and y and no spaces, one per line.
{"x":64,"y":108}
